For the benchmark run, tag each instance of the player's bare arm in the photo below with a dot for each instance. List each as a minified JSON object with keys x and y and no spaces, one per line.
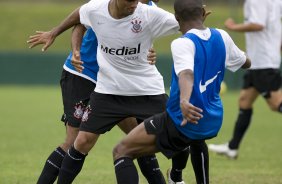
{"x":48,"y":37}
{"x":249,"y":27}
{"x":76,"y":40}
{"x":190,"y":112}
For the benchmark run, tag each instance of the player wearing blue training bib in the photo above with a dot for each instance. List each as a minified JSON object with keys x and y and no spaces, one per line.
{"x":209,"y":67}
{"x":88,"y":54}
{"x":194,"y":111}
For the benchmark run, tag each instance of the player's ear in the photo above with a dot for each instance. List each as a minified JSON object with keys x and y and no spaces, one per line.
{"x":177,"y":17}
{"x":204,"y":11}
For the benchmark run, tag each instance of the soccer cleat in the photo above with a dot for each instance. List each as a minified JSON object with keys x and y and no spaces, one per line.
{"x":169,"y":180}
{"x":223,"y":149}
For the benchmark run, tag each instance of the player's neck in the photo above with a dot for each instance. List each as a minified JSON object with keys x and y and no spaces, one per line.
{"x":186,"y":26}
{"x":114,"y":10}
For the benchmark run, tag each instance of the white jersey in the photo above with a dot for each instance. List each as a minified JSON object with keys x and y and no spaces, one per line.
{"x":183,"y":50}
{"x":263,"y":47}
{"x":123,"y":46}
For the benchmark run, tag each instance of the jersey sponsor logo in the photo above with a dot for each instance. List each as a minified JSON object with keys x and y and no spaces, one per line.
{"x":79,"y":109}
{"x":122,"y":51}
{"x":86,"y":114}
{"x":136,"y":26}
{"x":203,"y":87}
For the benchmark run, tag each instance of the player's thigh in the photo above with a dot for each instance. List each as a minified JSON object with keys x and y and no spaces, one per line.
{"x":127,"y":124}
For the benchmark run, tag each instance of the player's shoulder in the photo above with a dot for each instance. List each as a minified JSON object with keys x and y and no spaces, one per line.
{"x":225,"y":36}
{"x":181,"y":41}
{"x":96,"y":4}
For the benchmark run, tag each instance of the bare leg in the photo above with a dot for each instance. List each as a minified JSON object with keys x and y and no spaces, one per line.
{"x":148,"y":165}
{"x":275,"y":101}
{"x":137,"y":143}
{"x":74,"y":159}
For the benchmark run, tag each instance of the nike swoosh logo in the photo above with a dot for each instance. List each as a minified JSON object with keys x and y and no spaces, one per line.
{"x":151,"y":121}
{"x":203,"y":88}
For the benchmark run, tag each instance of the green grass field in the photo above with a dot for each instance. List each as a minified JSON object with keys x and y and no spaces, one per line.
{"x":30,"y":126}
{"x":30,"y":129}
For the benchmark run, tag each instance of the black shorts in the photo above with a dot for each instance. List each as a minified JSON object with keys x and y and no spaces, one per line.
{"x":263,"y":80}
{"x":169,"y":140}
{"x":105,"y":111}
{"x":76,"y":93}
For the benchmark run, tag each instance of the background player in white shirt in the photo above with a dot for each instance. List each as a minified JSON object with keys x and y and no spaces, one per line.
{"x":194,"y":110}
{"x":262,"y":29}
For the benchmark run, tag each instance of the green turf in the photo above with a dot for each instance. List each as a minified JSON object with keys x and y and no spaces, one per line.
{"x":20,"y":20}
{"x":30,"y":129}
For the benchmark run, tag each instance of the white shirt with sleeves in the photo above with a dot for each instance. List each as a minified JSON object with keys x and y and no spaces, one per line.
{"x":183,"y":51}
{"x":263,"y":47}
{"x":123,"y":46}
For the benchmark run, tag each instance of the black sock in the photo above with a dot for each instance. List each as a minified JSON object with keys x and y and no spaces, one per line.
{"x":51,"y":168}
{"x":280,"y":108}
{"x":200,"y":161}
{"x":71,"y":166}
{"x":241,"y":126}
{"x":178,"y":164}
{"x":126,"y":172}
{"x":149,"y":167}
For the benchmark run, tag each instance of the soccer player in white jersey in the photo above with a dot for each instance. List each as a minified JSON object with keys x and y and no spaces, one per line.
{"x":194,"y":110}
{"x":126,"y":85}
{"x":76,"y":90}
{"x":262,"y":29}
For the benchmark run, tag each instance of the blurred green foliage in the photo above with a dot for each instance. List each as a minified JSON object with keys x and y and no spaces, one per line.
{"x":21,"y":19}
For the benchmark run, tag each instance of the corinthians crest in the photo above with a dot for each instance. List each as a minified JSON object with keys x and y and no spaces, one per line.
{"x":86,"y":113}
{"x":79,"y":109}
{"x":136,"y":28}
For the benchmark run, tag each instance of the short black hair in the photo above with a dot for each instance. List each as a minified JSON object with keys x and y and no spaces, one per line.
{"x":188,"y":9}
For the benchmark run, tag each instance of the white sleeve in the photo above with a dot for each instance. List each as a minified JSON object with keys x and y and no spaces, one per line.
{"x":83,"y":14}
{"x":162,"y":22}
{"x":183,"y":54}
{"x":258,"y":12}
{"x":235,"y":58}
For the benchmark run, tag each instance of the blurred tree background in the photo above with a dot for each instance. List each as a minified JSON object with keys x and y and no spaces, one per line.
{"x":21,"y":18}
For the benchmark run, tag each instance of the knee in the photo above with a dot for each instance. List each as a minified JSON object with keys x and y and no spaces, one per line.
{"x":119,"y":151}
{"x":85,"y":142}
{"x":273,"y":107}
{"x":66,"y":145}
{"x":244,"y":102}
{"x":82,"y":140}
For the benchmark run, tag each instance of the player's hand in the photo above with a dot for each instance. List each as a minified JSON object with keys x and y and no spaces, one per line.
{"x":41,"y":37}
{"x":152,"y":56}
{"x":190,"y":113}
{"x":76,"y":62}
{"x":229,"y":23}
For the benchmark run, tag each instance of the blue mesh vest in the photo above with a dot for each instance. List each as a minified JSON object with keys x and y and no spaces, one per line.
{"x":209,"y":67}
